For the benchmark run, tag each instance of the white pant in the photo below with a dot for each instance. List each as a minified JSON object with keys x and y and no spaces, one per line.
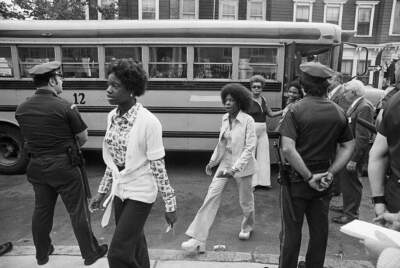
{"x":263,"y":175}
{"x":200,"y":226}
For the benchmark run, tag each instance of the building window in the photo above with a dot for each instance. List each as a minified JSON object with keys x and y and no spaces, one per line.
{"x":168,"y":62}
{"x":333,"y":11}
{"x":347,"y":68}
{"x":31,"y":56}
{"x":395,"y":20}
{"x":228,"y":9}
{"x":256,"y":9}
{"x":365,"y":17}
{"x":189,"y":9}
{"x":148,"y":9}
{"x":302,"y":10}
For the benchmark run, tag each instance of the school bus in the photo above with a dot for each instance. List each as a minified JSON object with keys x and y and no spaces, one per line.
{"x":187,"y":64}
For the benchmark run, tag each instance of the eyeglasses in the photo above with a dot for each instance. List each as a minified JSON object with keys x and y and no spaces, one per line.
{"x":59,"y":74}
{"x":256,"y":86}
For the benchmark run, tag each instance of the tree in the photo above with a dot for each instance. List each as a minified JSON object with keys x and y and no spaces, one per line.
{"x":8,"y":11}
{"x":108,"y":12}
{"x":45,"y":9}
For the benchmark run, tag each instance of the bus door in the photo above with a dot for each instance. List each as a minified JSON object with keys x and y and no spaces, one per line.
{"x":300,"y":53}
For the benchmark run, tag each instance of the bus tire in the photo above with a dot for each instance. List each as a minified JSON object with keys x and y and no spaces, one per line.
{"x":13,"y":159}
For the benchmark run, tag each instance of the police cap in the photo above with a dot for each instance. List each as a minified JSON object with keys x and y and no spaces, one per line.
{"x":44,"y":68}
{"x":316,"y":69}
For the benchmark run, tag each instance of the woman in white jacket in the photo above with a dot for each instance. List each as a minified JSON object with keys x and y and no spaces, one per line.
{"x":234,"y":154}
{"x":134,"y":154}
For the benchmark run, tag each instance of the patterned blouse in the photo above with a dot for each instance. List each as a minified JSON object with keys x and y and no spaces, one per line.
{"x":116,"y":139}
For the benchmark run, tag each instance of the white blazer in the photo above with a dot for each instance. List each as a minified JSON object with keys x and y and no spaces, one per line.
{"x":244,"y":142}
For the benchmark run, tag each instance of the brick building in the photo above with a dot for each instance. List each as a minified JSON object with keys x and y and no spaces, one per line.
{"x":374,"y":22}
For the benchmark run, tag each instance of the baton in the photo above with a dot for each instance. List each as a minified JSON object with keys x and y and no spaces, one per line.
{"x":81,"y":166}
{"x":285,"y":185}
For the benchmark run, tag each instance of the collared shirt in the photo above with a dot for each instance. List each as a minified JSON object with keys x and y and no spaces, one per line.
{"x":316,"y":125}
{"x":117,"y":134}
{"x":355,"y":102}
{"x":333,"y":92}
{"x":117,"y":141}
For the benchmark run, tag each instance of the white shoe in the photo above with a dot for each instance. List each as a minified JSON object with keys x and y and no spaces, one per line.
{"x":244,"y":235}
{"x":194,"y":245}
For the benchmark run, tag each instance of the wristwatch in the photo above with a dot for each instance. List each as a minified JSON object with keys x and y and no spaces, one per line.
{"x":378,"y":200}
{"x":309,"y":178}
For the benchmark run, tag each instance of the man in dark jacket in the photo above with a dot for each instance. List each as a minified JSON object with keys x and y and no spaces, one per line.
{"x":350,"y":183}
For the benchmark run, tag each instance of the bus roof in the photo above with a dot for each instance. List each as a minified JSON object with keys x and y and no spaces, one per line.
{"x":169,"y":29}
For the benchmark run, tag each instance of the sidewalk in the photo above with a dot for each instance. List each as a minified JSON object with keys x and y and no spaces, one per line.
{"x":69,"y":256}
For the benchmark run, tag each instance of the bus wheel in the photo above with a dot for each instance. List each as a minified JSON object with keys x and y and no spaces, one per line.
{"x":12,"y":157}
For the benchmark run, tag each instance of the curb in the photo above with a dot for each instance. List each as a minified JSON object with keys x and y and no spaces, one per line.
{"x":211,"y":256}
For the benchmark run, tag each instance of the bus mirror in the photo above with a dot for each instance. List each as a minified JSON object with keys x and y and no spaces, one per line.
{"x":363,"y":57}
{"x":347,"y":35}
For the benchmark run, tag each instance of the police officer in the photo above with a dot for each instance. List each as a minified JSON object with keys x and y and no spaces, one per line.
{"x":50,"y":125}
{"x":385,"y":152}
{"x":317,"y":142}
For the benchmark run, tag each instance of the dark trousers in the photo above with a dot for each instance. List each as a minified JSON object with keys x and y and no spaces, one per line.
{"x":316,"y":210}
{"x":50,"y":177}
{"x":128,"y":248}
{"x":351,"y":188}
{"x":392,"y":194}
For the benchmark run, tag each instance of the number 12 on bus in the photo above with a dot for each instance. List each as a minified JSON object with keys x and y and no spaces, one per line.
{"x":187,"y":64}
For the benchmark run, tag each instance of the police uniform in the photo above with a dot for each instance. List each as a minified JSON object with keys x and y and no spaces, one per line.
{"x":316,"y":124}
{"x":390,"y":128}
{"x":49,"y":124}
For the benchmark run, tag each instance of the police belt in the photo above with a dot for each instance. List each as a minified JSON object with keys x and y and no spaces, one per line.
{"x":313,"y":166}
{"x":57,"y":151}
{"x":46,"y":154}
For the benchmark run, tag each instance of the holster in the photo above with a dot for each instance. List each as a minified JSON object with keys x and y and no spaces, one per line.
{"x":74,"y":157}
{"x":283,"y":176}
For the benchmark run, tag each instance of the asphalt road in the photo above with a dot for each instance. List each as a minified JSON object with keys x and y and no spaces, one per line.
{"x":190,"y":183}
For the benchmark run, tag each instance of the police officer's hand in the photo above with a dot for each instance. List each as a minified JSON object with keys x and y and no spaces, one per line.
{"x":171,"y":218}
{"x":327,"y":180}
{"x":351,"y":166}
{"x":315,"y":181}
{"x":95,"y":202}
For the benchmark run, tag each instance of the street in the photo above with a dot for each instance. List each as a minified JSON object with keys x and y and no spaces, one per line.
{"x":190,"y":182}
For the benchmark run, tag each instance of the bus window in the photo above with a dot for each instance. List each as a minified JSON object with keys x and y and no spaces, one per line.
{"x":31,"y":56}
{"x":257,"y":60}
{"x":6,"y":69}
{"x":212,"y":62}
{"x":80,"y":62}
{"x":118,"y":53}
{"x":167,"y":62}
